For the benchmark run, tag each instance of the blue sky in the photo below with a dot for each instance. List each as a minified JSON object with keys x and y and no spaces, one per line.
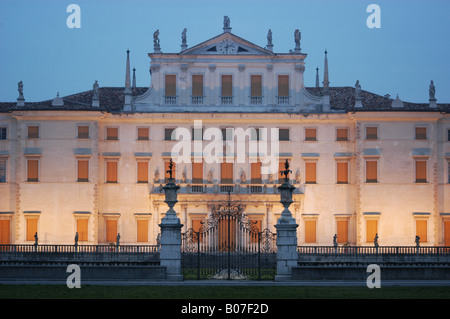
{"x":411,"y":48}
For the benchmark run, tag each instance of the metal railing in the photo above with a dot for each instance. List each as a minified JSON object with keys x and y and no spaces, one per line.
{"x":25,"y":252}
{"x":380,"y":250}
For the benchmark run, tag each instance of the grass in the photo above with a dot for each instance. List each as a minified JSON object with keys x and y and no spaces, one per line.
{"x":237,"y":292}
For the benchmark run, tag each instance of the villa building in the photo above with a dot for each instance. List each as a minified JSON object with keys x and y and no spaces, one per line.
{"x":94,"y":162}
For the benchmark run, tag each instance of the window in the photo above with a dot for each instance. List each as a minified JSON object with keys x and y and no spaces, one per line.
{"x":371,"y":230}
{"x":83,"y":170}
{"x":447,"y":233}
{"x":197,"y":226}
{"x":342,"y":134}
{"x":256,"y":173}
{"x":310,"y":172}
{"x":256,"y":227}
{"x":82,"y":229}
{"x":169,"y":134}
{"x":226,"y":176}
{"x":342,"y":231}
{"x":111,"y":171}
{"x":142,"y":230}
{"x":227,"y":133}
{"x":256,"y":89}
{"x":32,"y":228}
{"x":448,"y":171}
{"x":310,"y":134}
{"x":143,"y":134}
{"x":33,"y":131}
{"x":310,"y":231}
{"x":421,"y":229}
{"x":142,"y":172}
{"x":371,"y":171}
{"x":342,"y":172}
{"x":421,"y":133}
{"x":5,"y":231}
{"x":83,"y":131}
{"x":197,"y":89}
{"x":197,"y":134}
{"x":32,"y":170}
{"x":371,"y":133}
{"x":227,"y":89}
{"x":166,"y":169}
{"x":421,"y":171}
{"x":197,"y":173}
{"x":170,"y":89}
{"x":111,"y":230}
{"x":255,"y":134}
{"x":448,"y":135}
{"x":112,"y":133}
{"x":3,"y":135}
{"x":281,"y":169}
{"x":283,"y":134}
{"x":283,"y":89}
{"x":2,"y":171}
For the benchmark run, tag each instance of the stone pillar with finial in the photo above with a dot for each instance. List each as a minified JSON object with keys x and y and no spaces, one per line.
{"x":170,"y":251}
{"x":326,"y":86}
{"x":432,"y":93}
{"x":287,"y":255}
{"x":20,"y":99}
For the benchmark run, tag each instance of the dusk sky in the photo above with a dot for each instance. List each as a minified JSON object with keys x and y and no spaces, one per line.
{"x":411,"y":48}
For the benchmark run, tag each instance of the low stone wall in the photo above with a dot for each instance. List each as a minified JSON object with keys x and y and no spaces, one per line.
{"x":358,"y":271}
{"x":90,"y":271}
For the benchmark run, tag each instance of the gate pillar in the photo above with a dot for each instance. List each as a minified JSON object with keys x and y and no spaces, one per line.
{"x":287,"y":255}
{"x":170,"y":251}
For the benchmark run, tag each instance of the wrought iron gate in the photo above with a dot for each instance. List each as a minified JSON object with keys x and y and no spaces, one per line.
{"x":228,"y":246}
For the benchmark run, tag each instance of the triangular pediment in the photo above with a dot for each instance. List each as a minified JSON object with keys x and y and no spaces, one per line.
{"x":226,"y":44}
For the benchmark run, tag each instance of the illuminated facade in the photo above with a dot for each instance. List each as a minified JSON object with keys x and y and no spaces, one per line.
{"x":93,"y":163}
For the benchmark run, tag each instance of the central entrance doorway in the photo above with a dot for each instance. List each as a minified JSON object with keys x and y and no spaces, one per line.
{"x":229,"y":245}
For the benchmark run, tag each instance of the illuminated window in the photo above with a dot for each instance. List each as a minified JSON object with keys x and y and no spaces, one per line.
{"x":142,"y":230}
{"x":310,"y":231}
{"x":166,"y":169}
{"x":342,"y":231}
{"x":310,"y":173}
{"x":371,"y":230}
{"x":82,"y":229}
{"x":111,"y":171}
{"x":111,"y":230}
{"x":32,"y":228}
{"x":421,"y":229}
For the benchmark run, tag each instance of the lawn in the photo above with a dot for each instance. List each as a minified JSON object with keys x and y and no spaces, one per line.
{"x":223,"y":292}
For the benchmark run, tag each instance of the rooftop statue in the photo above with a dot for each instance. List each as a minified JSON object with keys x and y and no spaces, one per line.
{"x":432,"y":91}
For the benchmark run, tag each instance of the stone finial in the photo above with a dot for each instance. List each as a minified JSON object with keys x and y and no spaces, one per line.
{"x":57,"y":101}
{"x":20,"y":99}
{"x":183,"y":40}
{"x":326,"y":82}
{"x":297,"y":37}
{"x":226,"y":24}
{"x":134,"y":79}
{"x":95,"y":94}
{"x":397,"y":102}
{"x":269,"y":41}
{"x":156,"y":46}
{"x":358,"y":94}
{"x":432,"y":93}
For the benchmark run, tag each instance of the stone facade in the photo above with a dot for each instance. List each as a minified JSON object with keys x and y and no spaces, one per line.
{"x":405,"y":135}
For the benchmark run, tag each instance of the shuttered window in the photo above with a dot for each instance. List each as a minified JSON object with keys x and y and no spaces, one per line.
{"x":170,"y":85}
{"x":281,"y":169}
{"x":256,"y":226}
{"x":143,"y":134}
{"x":421,"y":171}
{"x":167,"y":168}
{"x":371,"y":230}
{"x":421,"y":133}
{"x":111,"y":230}
{"x":83,"y":170}
{"x":342,"y":134}
{"x":169,"y":134}
{"x":32,"y":170}
{"x":111,"y":171}
{"x":32,"y":228}
{"x":421,"y":230}
{"x":256,"y":85}
{"x":197,"y":227}
{"x":310,"y":231}
{"x":112,"y":133}
{"x":2,"y":171}
{"x":371,"y":172}
{"x":142,"y":230}
{"x":283,"y":85}
{"x":310,"y":134}
{"x":5,"y":232}
{"x":82,"y":229}
{"x":447,"y":233}
{"x":371,"y":132}
{"x":227,"y":85}
{"x":342,"y":231}
{"x":256,"y":173}
{"x":142,"y":172}
{"x":197,"y":173}
{"x":33,"y":131}
{"x":342,"y":172}
{"x":83,"y":131}
{"x":226,"y":176}
{"x":197,"y":85}
{"x":310,"y":173}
